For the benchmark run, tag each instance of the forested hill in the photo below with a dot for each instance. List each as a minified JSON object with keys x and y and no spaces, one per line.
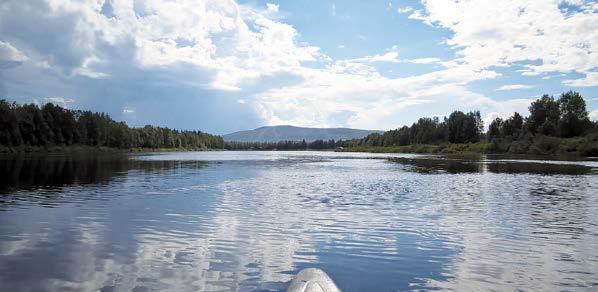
{"x":29,"y":125}
{"x":291,"y":133}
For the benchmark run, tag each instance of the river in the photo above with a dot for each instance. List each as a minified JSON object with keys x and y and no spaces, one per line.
{"x":246,"y":221}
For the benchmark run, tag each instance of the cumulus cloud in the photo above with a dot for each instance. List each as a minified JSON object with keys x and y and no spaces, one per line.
{"x":514,"y":87}
{"x":148,"y":50}
{"x":391,"y":55}
{"x":424,"y":60}
{"x":405,"y":9}
{"x":213,"y":35}
{"x":591,"y":79}
{"x":516,"y":32}
{"x":272,"y":7}
{"x":10,"y":56}
{"x":203,"y":57}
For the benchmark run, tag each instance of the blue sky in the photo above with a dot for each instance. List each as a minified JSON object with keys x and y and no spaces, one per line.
{"x":221,"y":66}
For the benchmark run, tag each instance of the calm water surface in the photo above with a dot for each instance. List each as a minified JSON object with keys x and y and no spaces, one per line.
{"x":226,"y":221}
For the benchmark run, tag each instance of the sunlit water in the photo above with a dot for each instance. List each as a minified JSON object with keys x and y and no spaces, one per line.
{"x":226,"y":221}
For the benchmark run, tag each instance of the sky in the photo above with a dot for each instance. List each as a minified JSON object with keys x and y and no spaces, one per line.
{"x":221,"y":66}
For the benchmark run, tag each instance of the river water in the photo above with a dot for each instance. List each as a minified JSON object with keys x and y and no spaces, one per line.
{"x":246,"y":221}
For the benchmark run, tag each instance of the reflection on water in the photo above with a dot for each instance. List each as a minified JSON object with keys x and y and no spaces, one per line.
{"x":55,"y":171}
{"x":434,"y":164}
{"x":222,"y":221}
{"x":42,"y":179}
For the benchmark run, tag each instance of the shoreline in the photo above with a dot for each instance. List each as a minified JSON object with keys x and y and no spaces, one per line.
{"x":91,"y":149}
{"x":585,"y":146}
{"x":452,"y":149}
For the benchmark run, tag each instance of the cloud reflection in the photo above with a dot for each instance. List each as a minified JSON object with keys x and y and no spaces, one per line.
{"x":234,"y":224}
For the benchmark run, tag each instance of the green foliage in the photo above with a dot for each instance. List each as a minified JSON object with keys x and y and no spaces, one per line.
{"x":544,"y":145}
{"x":544,"y":116}
{"x":512,"y":127}
{"x":464,"y":128}
{"x":9,"y":125}
{"x":458,"y":128}
{"x":549,"y":119}
{"x":29,"y":126}
{"x":419,"y":148}
{"x":588,"y":145}
{"x":499,"y":145}
{"x":286,"y":145}
{"x":494,"y":129}
{"x":566,"y":117}
{"x":574,"y":119}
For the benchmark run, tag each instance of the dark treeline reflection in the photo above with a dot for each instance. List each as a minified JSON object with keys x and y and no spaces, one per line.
{"x":436,"y":165}
{"x":539,"y":168}
{"x":51,"y":172}
{"x":429,"y":165}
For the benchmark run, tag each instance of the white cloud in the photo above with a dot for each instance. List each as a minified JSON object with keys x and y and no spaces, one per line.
{"x":86,"y":68}
{"x":246,"y":53}
{"x":514,"y":87}
{"x":10,"y":56}
{"x":591,"y":79}
{"x":9,"y":53}
{"x":273,"y":8}
{"x":391,"y":55}
{"x":594,"y":115}
{"x":508,"y":32}
{"x":375,"y":100}
{"x":214,"y":35}
{"x":58,"y":100}
{"x":424,"y":61}
{"x":405,"y":9}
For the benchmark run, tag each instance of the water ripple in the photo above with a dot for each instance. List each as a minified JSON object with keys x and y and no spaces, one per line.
{"x":248,"y":221}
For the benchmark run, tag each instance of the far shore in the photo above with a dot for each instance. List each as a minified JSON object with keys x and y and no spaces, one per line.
{"x":92,"y":149}
{"x":561,"y":148}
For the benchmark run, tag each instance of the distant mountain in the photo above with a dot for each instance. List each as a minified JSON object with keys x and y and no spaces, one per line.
{"x":291,"y":133}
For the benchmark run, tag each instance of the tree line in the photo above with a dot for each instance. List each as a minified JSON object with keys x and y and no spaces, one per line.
{"x":563,"y":117}
{"x":550,"y":119}
{"x":287,"y":145}
{"x":52,"y":125}
{"x":459,"y":127}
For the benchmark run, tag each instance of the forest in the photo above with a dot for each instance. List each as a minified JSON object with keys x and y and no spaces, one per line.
{"x":288,"y":145}
{"x":560,"y":125}
{"x":28,"y":126}
{"x":553,"y":126}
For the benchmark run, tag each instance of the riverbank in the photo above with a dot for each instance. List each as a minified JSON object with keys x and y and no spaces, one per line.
{"x":87,"y":149}
{"x":531,"y":145}
{"x":419,"y":148}
{"x":538,"y":145}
